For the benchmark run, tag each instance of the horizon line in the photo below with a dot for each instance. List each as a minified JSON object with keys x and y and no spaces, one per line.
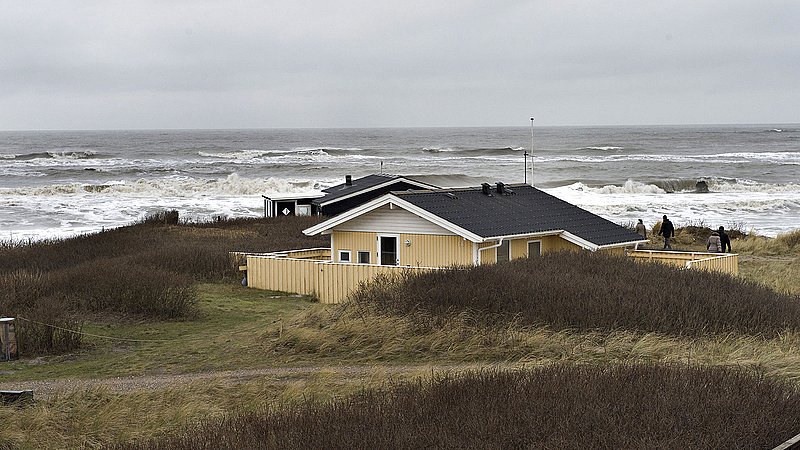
{"x":397,"y":127}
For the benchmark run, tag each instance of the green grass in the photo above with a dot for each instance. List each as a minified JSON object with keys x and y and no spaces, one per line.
{"x":228,"y":331}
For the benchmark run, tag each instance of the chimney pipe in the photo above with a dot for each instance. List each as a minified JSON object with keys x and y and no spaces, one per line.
{"x":501,"y":188}
{"x":486,"y":189}
{"x":348,"y":180}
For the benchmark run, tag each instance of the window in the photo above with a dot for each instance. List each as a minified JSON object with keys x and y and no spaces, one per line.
{"x":387,"y":250}
{"x":504,"y":252}
{"x":534,"y":249}
{"x":363,"y":257}
{"x":344,"y":255}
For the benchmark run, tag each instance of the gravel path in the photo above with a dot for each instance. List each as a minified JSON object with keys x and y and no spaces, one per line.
{"x":44,"y":389}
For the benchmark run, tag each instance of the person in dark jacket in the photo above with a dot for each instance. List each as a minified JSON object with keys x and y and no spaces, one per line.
{"x":668,"y":231}
{"x":724,"y":240}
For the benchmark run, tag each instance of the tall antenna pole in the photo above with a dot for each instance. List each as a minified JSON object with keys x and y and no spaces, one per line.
{"x":526,"y":166}
{"x":532,"y":162}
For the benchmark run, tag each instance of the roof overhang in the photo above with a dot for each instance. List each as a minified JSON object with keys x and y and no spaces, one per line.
{"x":581,"y":242}
{"x":293,"y":196}
{"x":378,"y":186}
{"x":567,"y":236}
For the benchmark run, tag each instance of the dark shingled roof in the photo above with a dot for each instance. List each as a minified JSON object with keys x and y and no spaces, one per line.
{"x":523,"y":210}
{"x":359,"y":184}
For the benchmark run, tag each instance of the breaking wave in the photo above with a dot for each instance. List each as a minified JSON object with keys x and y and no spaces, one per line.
{"x":603,"y":148}
{"x":490,"y":151}
{"x":65,"y":154}
{"x":232,"y":185}
{"x":687,"y":186}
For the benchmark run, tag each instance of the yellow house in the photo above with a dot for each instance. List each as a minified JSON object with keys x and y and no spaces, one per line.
{"x":466,"y":226}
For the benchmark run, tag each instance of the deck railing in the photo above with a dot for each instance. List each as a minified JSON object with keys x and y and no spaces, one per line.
{"x":717,"y":262}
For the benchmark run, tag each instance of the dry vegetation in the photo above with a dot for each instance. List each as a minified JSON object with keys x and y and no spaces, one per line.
{"x":146,"y":270}
{"x":586,"y":291}
{"x":556,"y":406}
{"x":643,"y":352}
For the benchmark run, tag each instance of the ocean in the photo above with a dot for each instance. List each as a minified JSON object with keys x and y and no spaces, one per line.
{"x":63,"y":183}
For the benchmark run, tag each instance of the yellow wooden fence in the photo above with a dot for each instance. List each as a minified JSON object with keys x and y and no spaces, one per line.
{"x":716,"y":262}
{"x":311,"y":272}
{"x":328,"y":281}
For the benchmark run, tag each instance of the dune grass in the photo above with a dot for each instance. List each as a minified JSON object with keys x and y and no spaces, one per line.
{"x":586,"y":291}
{"x":146,"y":270}
{"x":233,"y":327}
{"x":551,"y":407}
{"x":247,"y":328}
{"x":225,"y":333}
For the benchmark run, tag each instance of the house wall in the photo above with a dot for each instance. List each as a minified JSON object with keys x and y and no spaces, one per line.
{"x":425,"y":250}
{"x":392,"y":220}
{"x":519,"y":247}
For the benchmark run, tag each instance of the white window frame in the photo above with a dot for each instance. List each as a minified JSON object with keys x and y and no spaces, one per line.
{"x":369,"y":256}
{"x":397,"y":247}
{"x":349,"y":256}
{"x":528,"y":247}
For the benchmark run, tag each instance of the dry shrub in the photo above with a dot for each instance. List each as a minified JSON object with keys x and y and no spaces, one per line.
{"x":556,"y":406}
{"x":586,"y":291}
{"x":146,"y":269}
{"x":783,"y":244}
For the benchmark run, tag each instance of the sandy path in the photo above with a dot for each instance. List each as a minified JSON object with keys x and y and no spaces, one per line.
{"x":44,"y":389}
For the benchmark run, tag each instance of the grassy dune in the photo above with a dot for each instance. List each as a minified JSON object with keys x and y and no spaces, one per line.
{"x":619,"y":407}
{"x":691,"y":328}
{"x":146,"y":271}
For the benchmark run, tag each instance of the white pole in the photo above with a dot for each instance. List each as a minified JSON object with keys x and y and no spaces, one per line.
{"x":525,"y":155}
{"x":532,"y":162}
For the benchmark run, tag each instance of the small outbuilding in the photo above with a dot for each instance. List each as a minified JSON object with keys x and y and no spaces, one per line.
{"x":301,"y":204}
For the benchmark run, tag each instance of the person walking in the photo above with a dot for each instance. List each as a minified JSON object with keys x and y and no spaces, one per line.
{"x":714,"y":243}
{"x":641,"y":229}
{"x":724,"y":240}
{"x":668,"y":231}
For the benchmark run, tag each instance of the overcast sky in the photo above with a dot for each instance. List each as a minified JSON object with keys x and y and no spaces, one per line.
{"x":294,"y":63}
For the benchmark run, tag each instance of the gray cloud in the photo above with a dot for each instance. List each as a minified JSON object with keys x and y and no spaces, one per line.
{"x":195,"y":64}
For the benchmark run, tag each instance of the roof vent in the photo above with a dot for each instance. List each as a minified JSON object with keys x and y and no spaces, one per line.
{"x":501,"y":188}
{"x":451,"y":195}
{"x":348,"y":180}
{"x":486,"y":188}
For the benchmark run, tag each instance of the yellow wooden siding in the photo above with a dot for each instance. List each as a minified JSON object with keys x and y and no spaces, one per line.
{"x":557,"y":244}
{"x":329,"y":282}
{"x":355,"y":241}
{"x":434,"y":251}
{"x":424,"y":250}
{"x":487,"y":256}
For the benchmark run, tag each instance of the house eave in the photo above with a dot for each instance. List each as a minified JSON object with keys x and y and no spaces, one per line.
{"x":377,"y":186}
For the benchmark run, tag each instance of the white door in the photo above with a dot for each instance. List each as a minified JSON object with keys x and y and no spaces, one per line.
{"x":388,"y":250}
